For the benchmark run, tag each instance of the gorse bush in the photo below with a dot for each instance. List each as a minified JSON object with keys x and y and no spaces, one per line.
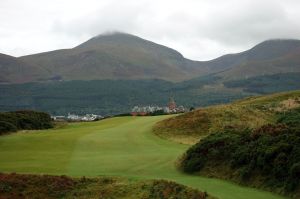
{"x":290,"y":118}
{"x":166,"y":189}
{"x":215,"y":147}
{"x":271,"y":153}
{"x":19,"y":120}
{"x":7,"y":127}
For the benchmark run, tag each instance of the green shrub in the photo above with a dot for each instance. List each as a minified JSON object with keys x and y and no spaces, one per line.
{"x":18,"y":120}
{"x":6,"y":127}
{"x":271,"y":153}
{"x":294,"y":177}
{"x":290,"y":118}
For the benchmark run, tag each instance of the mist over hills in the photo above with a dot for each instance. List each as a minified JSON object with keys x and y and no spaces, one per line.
{"x":124,"y":56}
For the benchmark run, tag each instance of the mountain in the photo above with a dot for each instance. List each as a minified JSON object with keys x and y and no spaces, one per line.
{"x":267,"y":58}
{"x":109,"y":74}
{"x":15,"y":70}
{"x":116,"y":56}
{"x":124,"y":56}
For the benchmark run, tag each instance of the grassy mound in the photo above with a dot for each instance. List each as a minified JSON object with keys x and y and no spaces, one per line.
{"x":267,"y":157}
{"x":251,"y":112}
{"x":51,"y":187}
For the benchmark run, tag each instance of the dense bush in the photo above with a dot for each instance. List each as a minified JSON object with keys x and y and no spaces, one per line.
{"x":271,"y":153}
{"x":216,"y":147}
{"x":163,"y":189}
{"x":7,"y":127}
{"x":18,"y":120}
{"x":290,"y":118}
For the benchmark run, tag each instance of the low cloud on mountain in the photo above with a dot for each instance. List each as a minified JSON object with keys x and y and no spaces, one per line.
{"x":201,"y":30}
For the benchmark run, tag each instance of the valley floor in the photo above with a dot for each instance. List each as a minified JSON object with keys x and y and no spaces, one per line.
{"x":123,"y":146}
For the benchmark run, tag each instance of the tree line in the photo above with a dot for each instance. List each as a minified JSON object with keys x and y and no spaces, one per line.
{"x":24,"y":120}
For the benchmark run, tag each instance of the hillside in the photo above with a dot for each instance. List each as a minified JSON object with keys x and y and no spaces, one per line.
{"x":14,"y":70}
{"x":267,"y":58}
{"x":124,"y":56}
{"x":51,"y":187}
{"x":252,"y":112}
{"x":108,"y":97}
{"x":116,"y":56}
{"x":267,"y":83}
{"x":77,"y":79}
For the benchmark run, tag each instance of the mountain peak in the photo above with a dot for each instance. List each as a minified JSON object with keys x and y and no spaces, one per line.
{"x":273,"y":48}
{"x":279,"y":43}
{"x":114,"y":33}
{"x":122,"y":43}
{"x":115,"y":37}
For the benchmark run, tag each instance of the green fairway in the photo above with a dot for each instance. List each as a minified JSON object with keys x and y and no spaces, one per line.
{"x":121,"y":146}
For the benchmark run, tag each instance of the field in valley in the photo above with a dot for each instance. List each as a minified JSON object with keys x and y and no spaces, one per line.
{"x":123,"y":146}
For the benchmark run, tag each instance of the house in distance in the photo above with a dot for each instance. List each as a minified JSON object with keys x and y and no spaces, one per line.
{"x":171,"y":108}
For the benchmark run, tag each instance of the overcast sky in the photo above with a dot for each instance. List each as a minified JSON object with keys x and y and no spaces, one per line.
{"x":199,"y":29}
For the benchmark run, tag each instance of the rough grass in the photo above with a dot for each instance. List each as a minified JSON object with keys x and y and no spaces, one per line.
{"x":251,"y":112}
{"x":51,"y":187}
{"x":123,"y":147}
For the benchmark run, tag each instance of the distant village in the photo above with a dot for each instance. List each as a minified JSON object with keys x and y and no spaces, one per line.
{"x":77,"y":118}
{"x":172,"y":108}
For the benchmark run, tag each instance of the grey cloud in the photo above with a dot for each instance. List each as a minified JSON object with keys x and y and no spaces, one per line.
{"x":198,"y":29}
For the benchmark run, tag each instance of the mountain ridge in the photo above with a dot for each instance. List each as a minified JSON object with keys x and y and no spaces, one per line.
{"x":125,"y":56}
{"x":117,"y":56}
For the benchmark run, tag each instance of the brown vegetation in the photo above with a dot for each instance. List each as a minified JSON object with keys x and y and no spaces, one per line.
{"x":17,"y":186}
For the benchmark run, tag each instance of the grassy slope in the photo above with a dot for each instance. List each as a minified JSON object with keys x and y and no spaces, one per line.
{"x":114,"y":147}
{"x":247,"y":113}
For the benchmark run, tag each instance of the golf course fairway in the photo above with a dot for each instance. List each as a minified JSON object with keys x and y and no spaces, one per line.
{"x":123,"y":146}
